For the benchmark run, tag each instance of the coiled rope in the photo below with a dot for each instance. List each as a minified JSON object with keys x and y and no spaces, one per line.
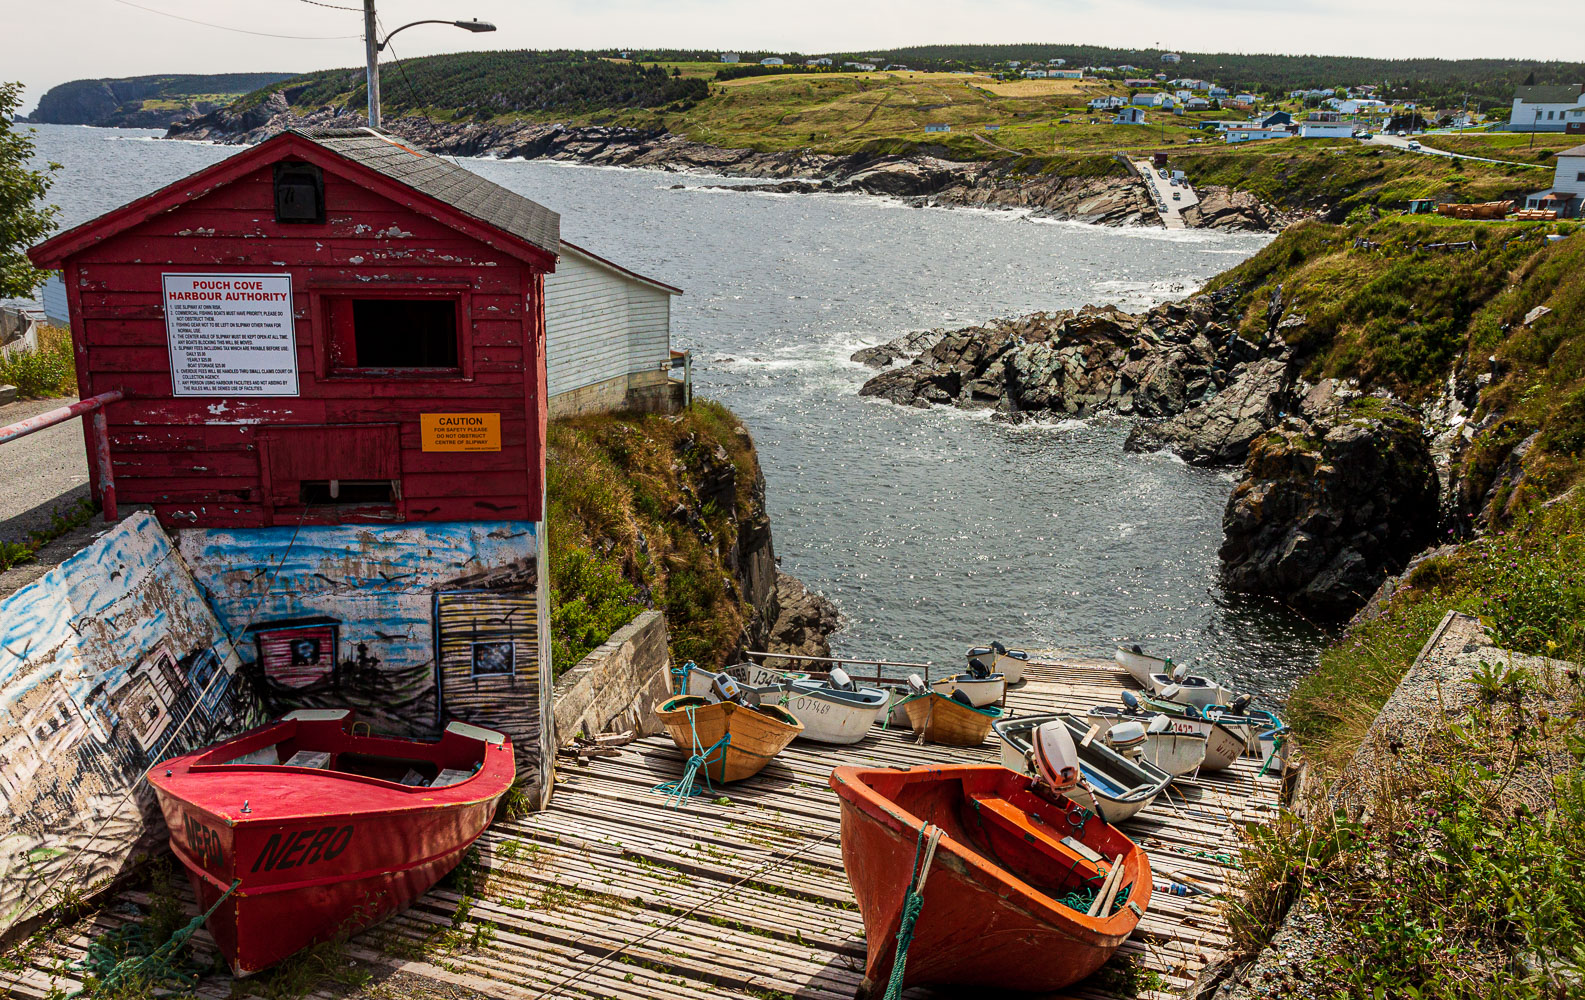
{"x":929,"y":837}
{"x":118,"y":958}
{"x":684,"y":788}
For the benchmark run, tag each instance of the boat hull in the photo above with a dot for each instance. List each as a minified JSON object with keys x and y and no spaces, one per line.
{"x":1222,"y":746}
{"x":1140,"y":666}
{"x":1010,"y":664}
{"x":837,"y":717}
{"x":757,"y":735}
{"x":981,"y":923}
{"x":1201,"y":696}
{"x":951,"y":723}
{"x":1176,"y":753}
{"x":260,"y":925}
{"x":320,"y":850}
{"x":1116,"y":788}
{"x":981,"y":691}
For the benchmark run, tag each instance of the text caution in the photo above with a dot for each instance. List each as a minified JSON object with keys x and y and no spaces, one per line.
{"x":461,"y":431}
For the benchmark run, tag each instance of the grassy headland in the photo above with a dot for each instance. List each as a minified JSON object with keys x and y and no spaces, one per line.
{"x":1037,"y":125}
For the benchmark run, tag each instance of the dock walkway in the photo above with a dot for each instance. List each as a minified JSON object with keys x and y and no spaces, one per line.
{"x":610,"y":893}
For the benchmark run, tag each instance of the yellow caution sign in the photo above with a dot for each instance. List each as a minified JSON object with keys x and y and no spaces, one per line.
{"x":460,"y":431}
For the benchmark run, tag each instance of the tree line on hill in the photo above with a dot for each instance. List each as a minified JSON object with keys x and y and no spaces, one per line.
{"x":1484,"y":83}
{"x":485,"y":84}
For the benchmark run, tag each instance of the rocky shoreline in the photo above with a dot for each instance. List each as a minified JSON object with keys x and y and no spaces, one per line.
{"x":1338,"y":489}
{"x":1120,"y":200}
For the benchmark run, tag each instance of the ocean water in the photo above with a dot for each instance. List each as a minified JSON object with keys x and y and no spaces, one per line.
{"x":931,"y":530}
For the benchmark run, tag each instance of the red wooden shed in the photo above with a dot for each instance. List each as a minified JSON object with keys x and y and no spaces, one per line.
{"x":328,"y":327}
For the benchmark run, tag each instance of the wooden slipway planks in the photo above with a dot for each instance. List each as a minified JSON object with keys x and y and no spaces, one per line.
{"x":609,"y":893}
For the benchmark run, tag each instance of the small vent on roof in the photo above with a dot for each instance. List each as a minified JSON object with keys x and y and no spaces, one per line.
{"x":299,"y":193}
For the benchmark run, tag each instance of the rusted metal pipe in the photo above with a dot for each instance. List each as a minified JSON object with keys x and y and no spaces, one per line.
{"x":101,"y":457}
{"x":49,"y":418}
{"x":99,"y":438}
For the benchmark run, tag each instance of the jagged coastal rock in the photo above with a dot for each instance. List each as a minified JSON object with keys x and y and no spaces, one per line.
{"x":1098,"y":359}
{"x":1331,"y":503}
{"x":919,"y":180}
{"x":805,"y":619}
{"x":1338,"y":489}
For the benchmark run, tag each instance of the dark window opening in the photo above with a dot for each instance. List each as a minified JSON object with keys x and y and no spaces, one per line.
{"x":494,"y":659}
{"x":299,"y":194}
{"x":398,"y":333}
{"x":347,"y":491}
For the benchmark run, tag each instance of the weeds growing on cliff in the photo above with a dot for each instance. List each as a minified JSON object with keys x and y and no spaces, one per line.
{"x":643,"y":512}
{"x":1468,"y":879}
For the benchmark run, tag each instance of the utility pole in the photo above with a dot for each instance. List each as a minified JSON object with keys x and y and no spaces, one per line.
{"x":371,"y":51}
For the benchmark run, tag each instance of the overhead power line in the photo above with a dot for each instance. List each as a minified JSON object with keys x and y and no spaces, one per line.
{"x":240,"y":31}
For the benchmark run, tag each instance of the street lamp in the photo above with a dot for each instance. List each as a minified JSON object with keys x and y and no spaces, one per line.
{"x":372,"y":47}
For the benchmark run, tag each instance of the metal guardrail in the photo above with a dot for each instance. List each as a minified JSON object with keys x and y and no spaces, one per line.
{"x":836,"y":661}
{"x":99,"y":438}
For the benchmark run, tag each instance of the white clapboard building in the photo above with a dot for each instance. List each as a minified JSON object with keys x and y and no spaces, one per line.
{"x":607,"y":337}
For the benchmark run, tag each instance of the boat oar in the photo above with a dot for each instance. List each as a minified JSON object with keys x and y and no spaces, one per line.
{"x":1111,"y":893}
{"x":1112,"y":875}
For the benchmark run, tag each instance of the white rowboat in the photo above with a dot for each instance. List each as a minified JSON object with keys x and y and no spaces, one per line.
{"x":834,"y":716}
{"x":1114,"y":787}
{"x":981,"y":691}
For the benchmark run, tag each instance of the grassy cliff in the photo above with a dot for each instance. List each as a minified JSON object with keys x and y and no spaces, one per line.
{"x":656,"y":512}
{"x":1467,"y":879}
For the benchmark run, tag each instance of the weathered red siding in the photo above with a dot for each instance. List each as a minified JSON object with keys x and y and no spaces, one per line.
{"x":198,"y":461}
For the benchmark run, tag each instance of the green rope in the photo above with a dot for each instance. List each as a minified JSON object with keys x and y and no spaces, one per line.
{"x":119,"y":956}
{"x":683,"y":788}
{"x":912,"y":904}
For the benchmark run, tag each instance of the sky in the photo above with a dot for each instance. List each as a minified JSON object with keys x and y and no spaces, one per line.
{"x":50,"y":43}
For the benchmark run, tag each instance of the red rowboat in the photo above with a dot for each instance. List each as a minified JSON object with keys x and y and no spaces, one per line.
{"x":993,"y":914}
{"x":324,"y":830}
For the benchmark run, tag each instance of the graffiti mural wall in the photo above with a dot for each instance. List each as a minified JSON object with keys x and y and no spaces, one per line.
{"x":108,"y":663}
{"x":411,"y":624}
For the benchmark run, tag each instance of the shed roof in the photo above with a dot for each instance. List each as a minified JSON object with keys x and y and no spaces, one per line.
{"x":445,"y":181}
{"x":1567,"y":93}
{"x":611,"y":265}
{"x":478,"y":207}
{"x":1574,"y":151}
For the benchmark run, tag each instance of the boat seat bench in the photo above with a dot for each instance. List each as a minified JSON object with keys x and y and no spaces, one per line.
{"x":1004,"y":814}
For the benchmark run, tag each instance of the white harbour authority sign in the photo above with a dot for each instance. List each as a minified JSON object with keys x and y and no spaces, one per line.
{"x":230,"y":334}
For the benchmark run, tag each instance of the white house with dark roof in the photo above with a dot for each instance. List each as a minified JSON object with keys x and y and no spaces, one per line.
{"x":1545,"y":108}
{"x":1567,"y":193}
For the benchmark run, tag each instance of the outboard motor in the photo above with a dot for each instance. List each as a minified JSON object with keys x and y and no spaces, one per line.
{"x":998,"y":647}
{"x":978,"y":670}
{"x":1171,"y":691}
{"x":838,"y":680}
{"x":1240,"y":705}
{"x":1131,"y":700}
{"x":723,"y":687}
{"x":916,"y":685}
{"x":1136,"y":650}
{"x":1158,"y":725}
{"x":959,"y":695}
{"x":1127,"y":737}
{"x":1056,"y":758}
{"x":1179,"y":672}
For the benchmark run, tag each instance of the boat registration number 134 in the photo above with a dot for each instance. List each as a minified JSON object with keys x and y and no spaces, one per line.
{"x":305,"y":847}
